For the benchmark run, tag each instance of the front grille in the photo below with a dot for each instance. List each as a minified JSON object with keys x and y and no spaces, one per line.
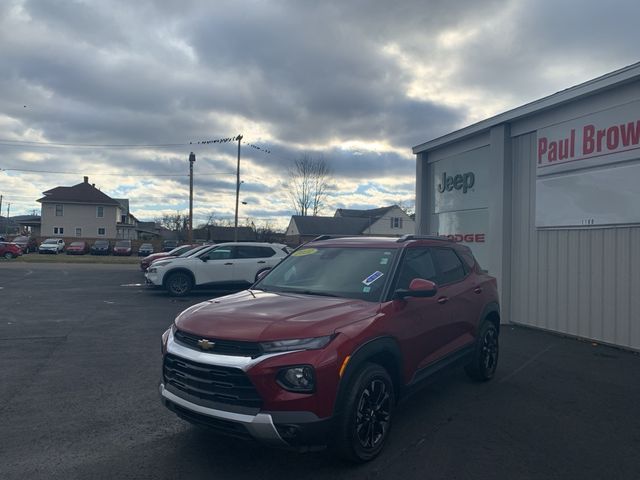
{"x":211,"y":382}
{"x":221,"y":347}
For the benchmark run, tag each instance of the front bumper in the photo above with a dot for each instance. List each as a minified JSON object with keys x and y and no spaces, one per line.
{"x":301,"y":430}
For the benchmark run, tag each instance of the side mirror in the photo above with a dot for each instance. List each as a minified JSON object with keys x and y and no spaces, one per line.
{"x":419,"y":287}
{"x":204,"y":259}
{"x":261,"y":274}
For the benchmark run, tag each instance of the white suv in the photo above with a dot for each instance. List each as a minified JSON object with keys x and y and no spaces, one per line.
{"x":52,"y":245}
{"x":225,"y":263}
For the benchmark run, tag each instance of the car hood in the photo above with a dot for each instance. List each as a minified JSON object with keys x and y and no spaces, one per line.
{"x":49,"y":245}
{"x":263,"y":316}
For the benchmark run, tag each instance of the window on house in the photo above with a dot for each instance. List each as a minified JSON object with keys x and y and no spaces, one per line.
{"x":101,"y":231}
{"x":59,"y":210}
{"x":78,"y":231}
{"x":100,"y":212}
{"x":58,"y":230}
{"x":396,"y":222}
{"x":123,"y":219}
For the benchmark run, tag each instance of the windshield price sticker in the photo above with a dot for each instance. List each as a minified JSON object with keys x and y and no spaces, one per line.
{"x":304,"y":251}
{"x":384,"y":261}
{"x":372,"y":278}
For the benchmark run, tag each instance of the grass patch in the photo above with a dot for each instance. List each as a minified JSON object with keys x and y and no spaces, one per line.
{"x":64,"y":258}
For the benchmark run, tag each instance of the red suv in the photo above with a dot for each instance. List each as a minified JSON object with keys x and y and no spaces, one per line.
{"x":321,"y":348}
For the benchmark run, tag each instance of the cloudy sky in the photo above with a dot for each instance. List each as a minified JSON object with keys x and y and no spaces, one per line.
{"x":116,"y":90}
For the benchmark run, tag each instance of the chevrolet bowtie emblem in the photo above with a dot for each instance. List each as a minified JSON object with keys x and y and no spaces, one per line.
{"x":205,"y":344}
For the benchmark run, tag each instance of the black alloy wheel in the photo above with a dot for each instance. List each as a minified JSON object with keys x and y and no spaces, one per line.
{"x":485,"y":359}
{"x":373,"y":414}
{"x":365,"y":420}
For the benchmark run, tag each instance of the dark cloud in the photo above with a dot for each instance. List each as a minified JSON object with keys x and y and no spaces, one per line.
{"x":307,"y":76}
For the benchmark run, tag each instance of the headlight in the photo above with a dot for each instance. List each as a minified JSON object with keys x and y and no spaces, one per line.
{"x":165,"y":337}
{"x":297,"y":344}
{"x":300,"y":378}
{"x":152,"y":270}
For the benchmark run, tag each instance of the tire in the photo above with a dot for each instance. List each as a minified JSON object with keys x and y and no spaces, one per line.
{"x":178,"y":284}
{"x":485,"y":356}
{"x":363,"y":425}
{"x":8,"y":255}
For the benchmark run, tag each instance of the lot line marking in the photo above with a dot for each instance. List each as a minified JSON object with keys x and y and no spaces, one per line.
{"x":526,"y":364}
{"x":132,"y":285}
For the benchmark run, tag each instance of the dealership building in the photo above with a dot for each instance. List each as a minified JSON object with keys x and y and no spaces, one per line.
{"x":548,"y":197}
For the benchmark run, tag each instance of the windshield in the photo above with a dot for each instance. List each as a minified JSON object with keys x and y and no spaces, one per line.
{"x":101,"y":243}
{"x":355,"y":272}
{"x":51,"y":240}
{"x":77,"y":244}
{"x":188,"y":253}
{"x":123,"y":244}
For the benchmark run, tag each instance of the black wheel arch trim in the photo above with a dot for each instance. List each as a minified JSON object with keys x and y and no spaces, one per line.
{"x":491,"y":307}
{"x":364,"y":353}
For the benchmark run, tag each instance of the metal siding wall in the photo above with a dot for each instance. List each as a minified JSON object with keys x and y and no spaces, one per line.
{"x":580,"y":282}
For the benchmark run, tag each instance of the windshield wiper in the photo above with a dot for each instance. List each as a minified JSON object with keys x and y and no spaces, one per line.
{"x":311,"y":292}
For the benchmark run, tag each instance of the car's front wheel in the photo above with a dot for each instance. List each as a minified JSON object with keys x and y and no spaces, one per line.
{"x":8,"y":255}
{"x":364,"y":423}
{"x":485,"y":356}
{"x":178,"y":284}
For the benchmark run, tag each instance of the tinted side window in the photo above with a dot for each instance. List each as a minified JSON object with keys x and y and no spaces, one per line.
{"x":250,"y":251}
{"x":221,"y":253}
{"x":450,"y":268}
{"x":417,"y":263}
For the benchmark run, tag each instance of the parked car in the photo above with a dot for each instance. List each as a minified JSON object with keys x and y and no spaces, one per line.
{"x":101,"y":247}
{"x":146,"y":261}
{"x":10,"y":250}
{"x":145,"y":249}
{"x":52,"y":245}
{"x":169,"y":245}
{"x":322,"y":347}
{"x":28,"y":244}
{"x":232,"y":264}
{"x":122,"y":247}
{"x":78,"y":248}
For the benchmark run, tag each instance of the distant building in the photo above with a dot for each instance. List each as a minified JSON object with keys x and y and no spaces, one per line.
{"x":385,"y":221}
{"x":83,"y":211}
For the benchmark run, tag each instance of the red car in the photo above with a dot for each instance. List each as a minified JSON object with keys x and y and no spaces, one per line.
{"x":77,"y":248}
{"x":123,"y":247}
{"x":322,"y":347}
{"x":146,"y":261}
{"x":10,"y":250}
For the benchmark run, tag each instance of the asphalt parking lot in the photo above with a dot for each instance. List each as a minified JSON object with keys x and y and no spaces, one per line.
{"x":80,"y":363}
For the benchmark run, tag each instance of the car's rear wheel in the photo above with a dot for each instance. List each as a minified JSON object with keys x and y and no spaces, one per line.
{"x":485,"y":356}
{"x":363,"y":425}
{"x":178,"y":284}
{"x":8,"y":255}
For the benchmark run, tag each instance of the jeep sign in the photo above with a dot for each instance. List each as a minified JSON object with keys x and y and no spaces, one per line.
{"x":458,"y":182}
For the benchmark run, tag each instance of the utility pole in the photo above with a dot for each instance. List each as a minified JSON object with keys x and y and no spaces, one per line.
{"x":235,"y":231}
{"x":0,"y":205}
{"x":8,"y":213}
{"x":192,"y":159}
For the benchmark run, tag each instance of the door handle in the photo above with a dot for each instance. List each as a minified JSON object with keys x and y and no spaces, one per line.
{"x":477,"y":290}
{"x":229,"y":263}
{"x":443,"y":300}
{"x":262,"y":261}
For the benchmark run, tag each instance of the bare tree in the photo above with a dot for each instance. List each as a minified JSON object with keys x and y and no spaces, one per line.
{"x":177,"y":222}
{"x":309,"y":184}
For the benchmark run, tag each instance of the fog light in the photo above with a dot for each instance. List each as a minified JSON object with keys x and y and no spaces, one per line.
{"x":300,"y":378}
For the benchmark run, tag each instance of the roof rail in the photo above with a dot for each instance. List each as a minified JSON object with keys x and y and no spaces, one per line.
{"x":410,"y":236}
{"x":322,"y":237}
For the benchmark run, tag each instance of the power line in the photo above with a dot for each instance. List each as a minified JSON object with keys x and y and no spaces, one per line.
{"x":97,"y":174}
